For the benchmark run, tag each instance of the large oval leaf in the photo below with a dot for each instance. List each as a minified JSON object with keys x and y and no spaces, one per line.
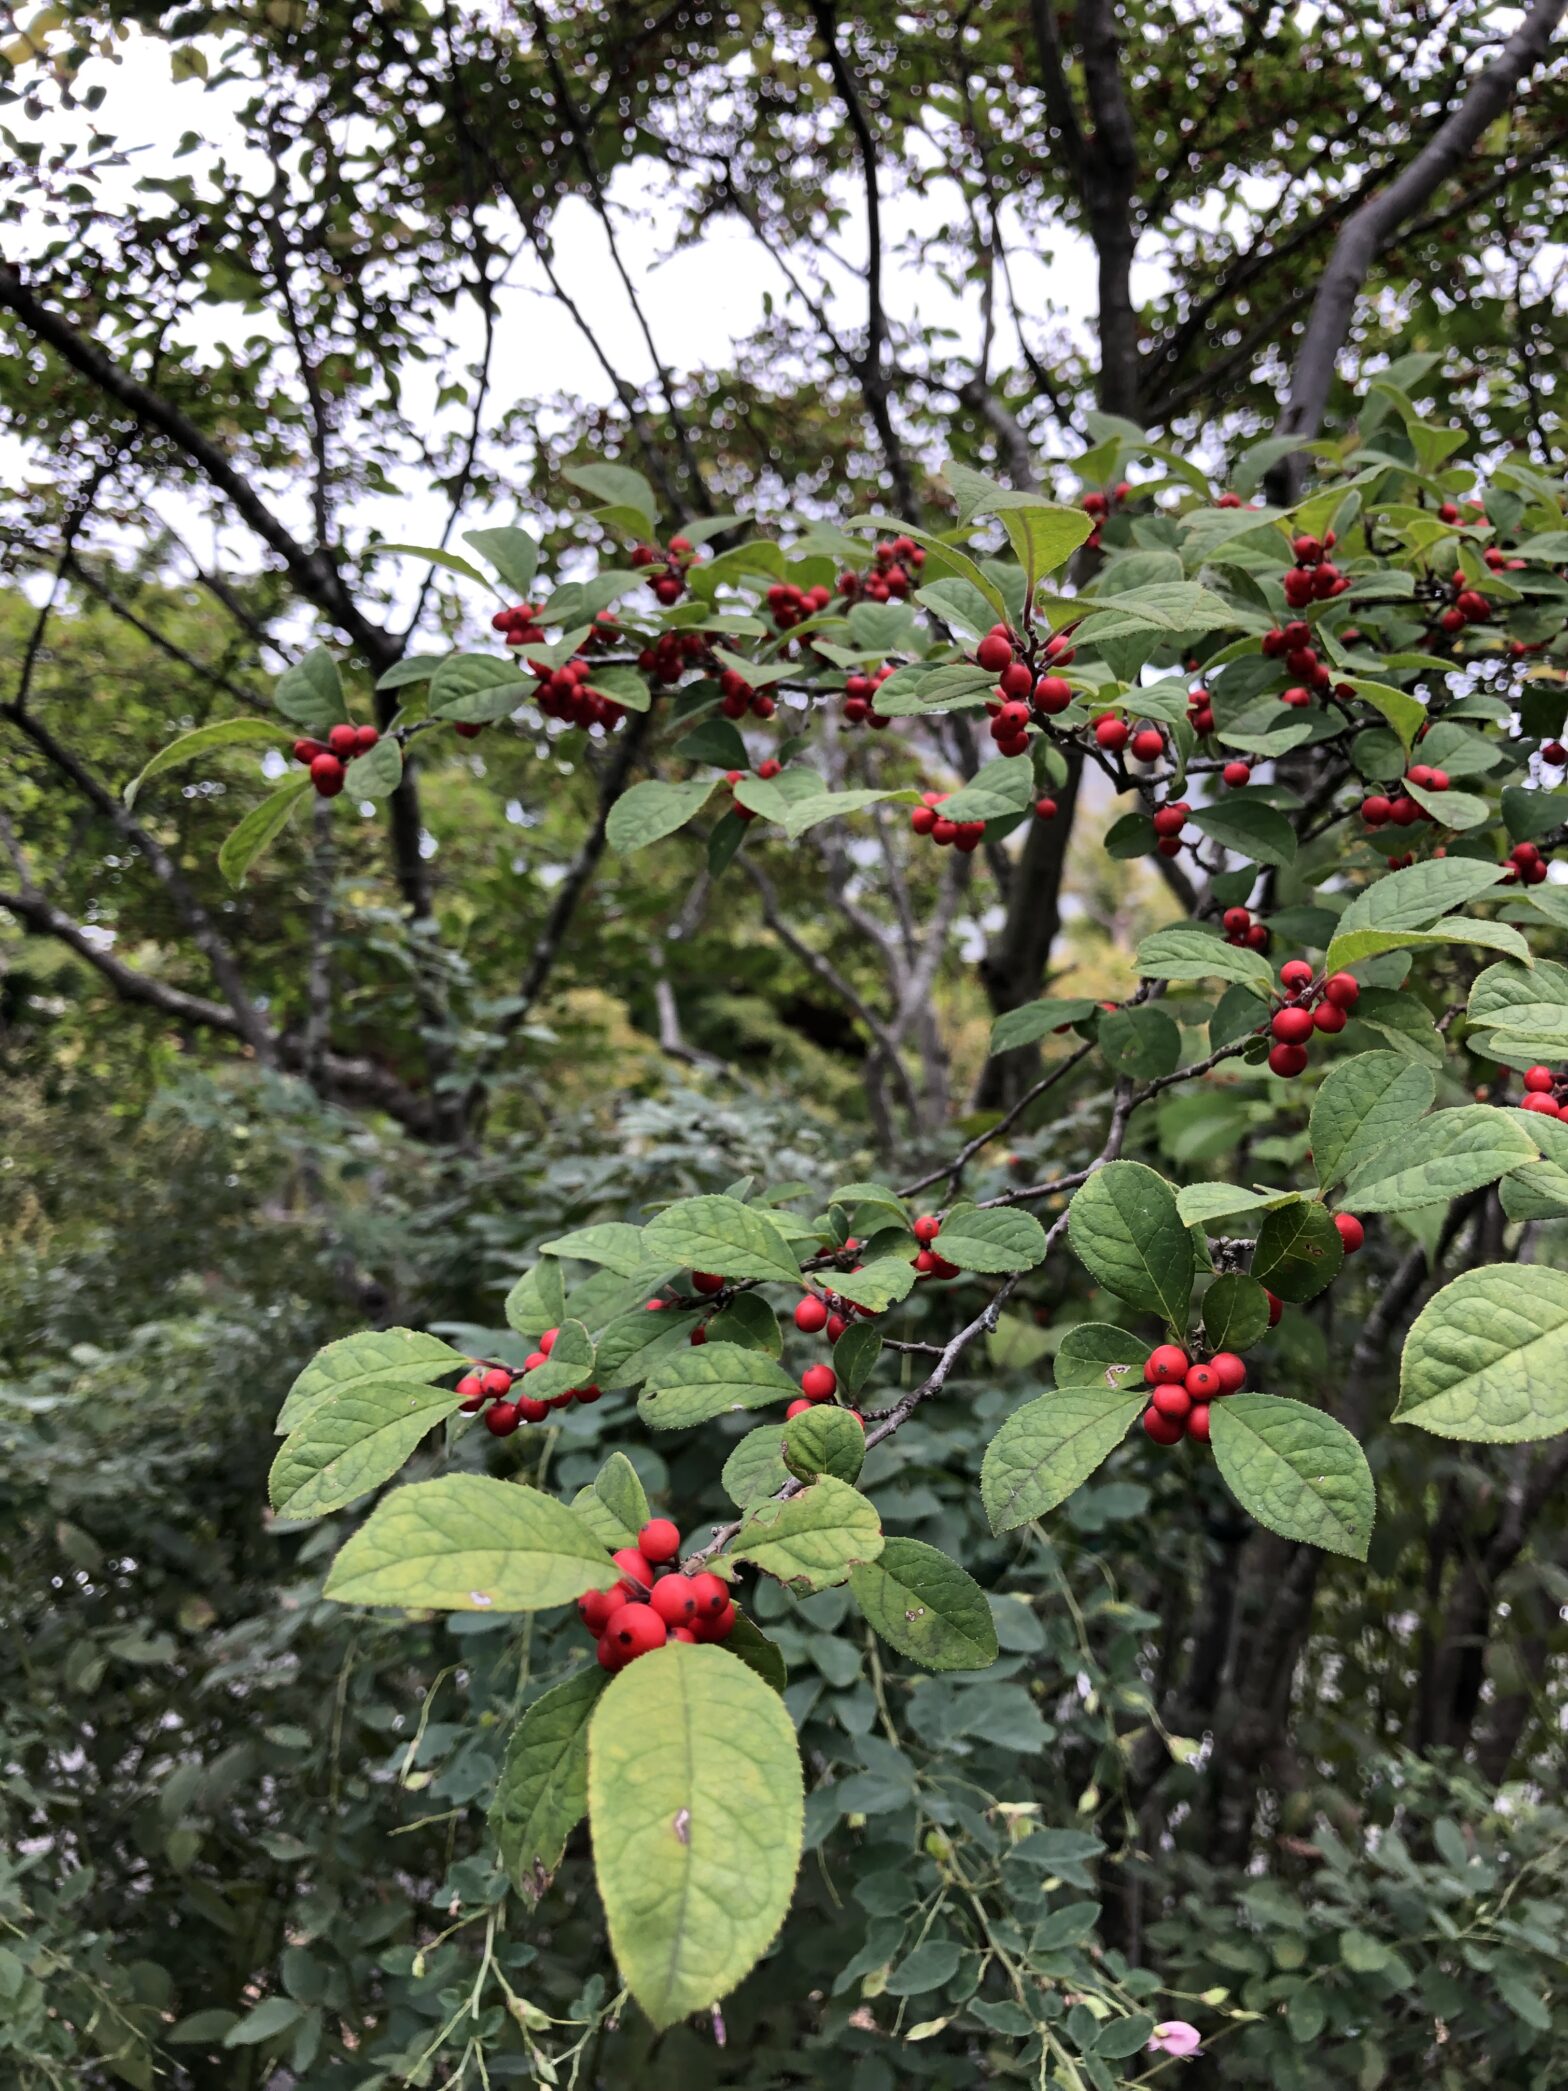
{"x":1127,"y":1233}
{"x":926,"y":1607}
{"x":361,"y":1361}
{"x":694,"y":1385}
{"x":1296,"y":1470}
{"x":1363,"y":1104}
{"x":696,"y":1807}
{"x":1487,"y":1359}
{"x":812,"y":1540}
{"x":351,"y":1443}
{"x":465,"y":1543}
{"x":542,"y":1793}
{"x":1046,"y":1448}
{"x":720,"y":1234}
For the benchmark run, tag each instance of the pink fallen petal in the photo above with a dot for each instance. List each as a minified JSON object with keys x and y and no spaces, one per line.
{"x":1175,"y":2037}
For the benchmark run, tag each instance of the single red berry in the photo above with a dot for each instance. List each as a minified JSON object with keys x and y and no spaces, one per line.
{"x":1276,"y":1307}
{"x":610,"y":1657}
{"x":1533,"y":1100}
{"x":365,"y":738}
{"x":1198,"y":1422}
{"x":1230,"y":1371}
{"x":837,"y":1324}
{"x":1202,"y":1383}
{"x":1287,"y":1060}
{"x":501,"y":1418}
{"x":811,"y":1315}
{"x":659,"y":1541}
{"x":343,"y":740}
{"x":682,"y":1633}
{"x":1292,"y":1026}
{"x":1236,"y":774}
{"x":711,"y":1592}
{"x":635,"y":1629}
{"x":1165,"y":1430}
{"x":1112,"y":734}
{"x":922,"y":819}
{"x":1165,"y":1365}
{"x":1295,"y":975}
{"x":1343,"y":990}
{"x":1052,"y":693}
{"x":594,"y":1608}
{"x":307,"y":751}
{"x":1169,"y":821}
{"x":1377,"y":810}
{"x":994,"y":653}
{"x":717,"y":1628}
{"x":1148,"y":744}
{"x":674,"y":1600}
{"x":1016,"y":680}
{"x":1351,"y":1231}
{"x":819,"y":1383}
{"x":636,"y":1571}
{"x":1236,"y":921}
{"x":707,"y":1281}
{"x":531,"y":1411}
{"x":1537,"y":1078}
{"x":1329,"y":1017}
{"x":534,"y":1360}
{"x":926,"y":1229}
{"x":1045,"y":809}
{"x":474,"y":1382}
{"x":327,"y":773}
{"x":497,"y":1381}
{"x":798,"y":1408}
{"x":1172,"y":1401}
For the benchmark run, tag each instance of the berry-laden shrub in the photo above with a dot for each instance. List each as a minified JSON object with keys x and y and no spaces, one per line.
{"x":1260,"y":706}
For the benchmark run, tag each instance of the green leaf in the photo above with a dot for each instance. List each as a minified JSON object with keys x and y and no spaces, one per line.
{"x":542,"y":1794}
{"x":1173,"y":607}
{"x":1350,"y":947}
{"x":378,"y":772}
{"x":1142,"y":1043}
{"x":614,"y":1243}
{"x":1251,"y":828}
{"x":1200,"y":1204}
{"x":1363,"y":1104}
{"x":1295,"y":1470}
{"x":538,"y":1300}
{"x":1187,"y":952}
{"x":1000,"y":788}
{"x":414,"y":667}
{"x":855,"y":1354}
{"x":374,"y":1355}
{"x":696,"y":1805}
{"x":1404,"y":713}
{"x":1045,"y":1449}
{"x":926,"y":1607}
{"x":260,"y":828}
{"x":756,"y":1467}
{"x":1002,"y":1239}
{"x":1098,"y":1354}
{"x":1042,"y":534}
{"x":1457,"y":810}
{"x":748,"y":1319}
{"x":1235,"y":1313}
{"x":1457,"y":1151}
{"x":941,"y":558}
{"x":1032,"y":1020}
{"x":1521,"y":999}
{"x":1416,"y":897}
{"x":917,"y":690}
{"x":477,"y":689}
{"x":824,"y":1440}
{"x":351,"y":1442}
{"x":720,"y":1234}
{"x":271,"y":2019}
{"x":631,"y":1347}
{"x":466,"y":1543}
{"x":651,"y":810}
{"x":1127,"y":1233}
{"x":812,"y":1540}
{"x":569,"y":1365}
{"x":711,"y":1380}
{"x":309,"y":693}
{"x":434,"y":555}
{"x":1298,"y":1251}
{"x":618,"y":486}
{"x":1487,"y":1359}
{"x":747,"y":1640}
{"x":206,"y":740}
{"x":875,"y":1285}
{"x":804,"y":814}
{"x":513,"y":554}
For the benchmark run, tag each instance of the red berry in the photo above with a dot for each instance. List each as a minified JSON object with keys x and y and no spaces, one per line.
{"x":1111,"y":734}
{"x":711,"y":1592}
{"x":837,"y":1324}
{"x":1045,"y":809}
{"x":811,"y":1315}
{"x":531,"y":1411}
{"x":1236,"y":774}
{"x":1198,"y":1422}
{"x":1533,"y":1100}
{"x":1052,"y":693}
{"x":594,"y":1608}
{"x":1343,"y":990}
{"x":1202,"y":1383}
{"x":343,"y":740}
{"x":1172,"y":1401}
{"x":610,"y":1657}
{"x":1329,"y":1017}
{"x":682,"y":1633}
{"x":496,"y":1381}
{"x":1165,"y":1430}
{"x":1287,"y":1060}
{"x":1166,"y":1365}
{"x":1351,"y":1231}
{"x":659,"y":1541}
{"x":922,"y":819}
{"x":1148,"y":744}
{"x":1169,"y":822}
{"x":307,"y":751}
{"x":707,"y":1281}
{"x":674,"y":1600}
{"x":501,"y":1418}
{"x":1377,"y":810}
{"x":798,"y":1408}
{"x":633,"y":1630}
{"x":819,"y":1383}
{"x":1230,"y":1370}
{"x":1016,"y":680}
{"x":1276,"y":1307}
{"x":1292,"y":1026}
{"x":1537,"y":1078}
{"x":365,"y":738}
{"x":326,"y":773}
{"x":1295,"y":975}
{"x":717,"y":1628}
{"x":635,"y":1570}
{"x":994,"y":653}
{"x":1236,"y":921}
{"x":927,"y":1228}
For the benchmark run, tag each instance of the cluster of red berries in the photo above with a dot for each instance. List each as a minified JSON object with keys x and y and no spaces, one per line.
{"x":737,"y":698}
{"x":770,"y":768}
{"x":1169,"y":821}
{"x":1099,"y":506}
{"x":1541,"y":1089}
{"x":671,"y":654}
{"x":791,"y":605}
{"x":645,"y":1609}
{"x":1200,"y":712}
{"x":929,"y":1262}
{"x":1381,"y":809}
{"x":490,"y":1389}
{"x":1240,"y":928}
{"x":925,"y":819}
{"x":1179,"y":1405}
{"x":859,"y":690}
{"x":1307,"y":1008}
{"x":1525,"y":867}
{"x":669,"y":583}
{"x":998,"y":654}
{"x":1314,"y":577}
{"x":1292,"y":643}
{"x":567,"y":693}
{"x":518,"y":625}
{"x":328,"y":760}
{"x":889,"y":575}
